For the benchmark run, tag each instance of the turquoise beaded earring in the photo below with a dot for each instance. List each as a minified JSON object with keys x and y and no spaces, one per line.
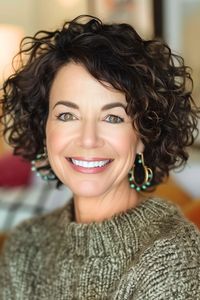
{"x":140,"y":176}
{"x":42,"y":167}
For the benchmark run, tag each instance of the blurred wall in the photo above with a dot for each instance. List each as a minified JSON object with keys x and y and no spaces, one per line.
{"x":18,"y":12}
{"x":182,"y":32}
{"x":52,"y":13}
{"x":33,"y":15}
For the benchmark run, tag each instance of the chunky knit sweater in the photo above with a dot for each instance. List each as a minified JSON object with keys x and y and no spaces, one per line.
{"x":149,"y":252}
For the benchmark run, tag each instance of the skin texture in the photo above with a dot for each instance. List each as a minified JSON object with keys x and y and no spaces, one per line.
{"x":87,"y":132}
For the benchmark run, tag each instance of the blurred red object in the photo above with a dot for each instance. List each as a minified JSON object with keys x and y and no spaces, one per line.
{"x":14,"y":171}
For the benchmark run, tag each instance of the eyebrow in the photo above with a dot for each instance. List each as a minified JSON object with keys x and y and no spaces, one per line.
{"x":105,"y":107}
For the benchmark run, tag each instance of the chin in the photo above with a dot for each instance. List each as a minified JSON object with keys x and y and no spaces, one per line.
{"x":88,"y":189}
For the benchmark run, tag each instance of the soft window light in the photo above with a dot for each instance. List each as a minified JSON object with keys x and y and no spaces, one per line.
{"x":69,"y":3}
{"x":10,"y":37}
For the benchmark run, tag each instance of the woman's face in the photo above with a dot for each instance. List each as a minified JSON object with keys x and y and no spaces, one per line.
{"x":90,"y":140}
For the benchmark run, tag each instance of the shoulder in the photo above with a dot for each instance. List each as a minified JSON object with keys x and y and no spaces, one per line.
{"x":168,"y":267}
{"x":163,"y":218}
{"x":32,"y":230}
{"x":28,"y":238}
{"x":174,"y":246}
{"x":173,"y":237}
{"x":23,"y":252}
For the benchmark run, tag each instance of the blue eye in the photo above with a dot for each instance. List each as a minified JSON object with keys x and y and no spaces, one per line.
{"x":66,"y":117}
{"x":114,"y":119}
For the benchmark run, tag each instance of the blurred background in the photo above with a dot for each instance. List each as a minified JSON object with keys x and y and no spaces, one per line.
{"x":22,"y":195}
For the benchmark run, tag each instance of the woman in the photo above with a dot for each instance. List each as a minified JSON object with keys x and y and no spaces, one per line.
{"x":107,"y":114}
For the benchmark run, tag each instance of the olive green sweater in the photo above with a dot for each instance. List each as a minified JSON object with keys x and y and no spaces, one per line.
{"x":149,"y":252}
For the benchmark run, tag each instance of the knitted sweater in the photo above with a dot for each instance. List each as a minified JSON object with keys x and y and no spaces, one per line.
{"x":148,"y":252}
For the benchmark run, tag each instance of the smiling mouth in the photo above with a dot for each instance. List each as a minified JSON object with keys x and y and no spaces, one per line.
{"x":89,"y":164}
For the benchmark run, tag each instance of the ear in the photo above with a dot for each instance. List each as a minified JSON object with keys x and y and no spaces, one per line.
{"x":139,"y":147}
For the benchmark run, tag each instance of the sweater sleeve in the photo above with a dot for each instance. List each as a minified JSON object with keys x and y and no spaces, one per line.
{"x":170,"y":269}
{"x":166,"y":269}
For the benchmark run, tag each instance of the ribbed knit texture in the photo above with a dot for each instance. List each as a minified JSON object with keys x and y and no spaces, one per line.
{"x":147,"y":253}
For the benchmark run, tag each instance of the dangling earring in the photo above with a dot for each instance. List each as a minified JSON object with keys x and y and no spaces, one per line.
{"x":140,"y":176}
{"x":42,"y":167}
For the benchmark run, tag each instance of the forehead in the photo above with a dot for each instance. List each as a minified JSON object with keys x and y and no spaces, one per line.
{"x":73,"y":82}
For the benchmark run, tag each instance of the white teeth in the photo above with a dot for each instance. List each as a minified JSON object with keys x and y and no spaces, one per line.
{"x":89,"y":164}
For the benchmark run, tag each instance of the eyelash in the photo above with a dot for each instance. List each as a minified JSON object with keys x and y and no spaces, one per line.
{"x":62,"y":116}
{"x":119,"y":119}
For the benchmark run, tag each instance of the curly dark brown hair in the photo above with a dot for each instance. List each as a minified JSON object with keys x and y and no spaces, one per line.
{"x":156,"y":82}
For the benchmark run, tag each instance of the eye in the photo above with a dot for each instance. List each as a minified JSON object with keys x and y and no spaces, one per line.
{"x":113,"y":119}
{"x":66,"y":117}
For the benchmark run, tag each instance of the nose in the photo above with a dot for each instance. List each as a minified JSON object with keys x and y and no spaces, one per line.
{"x":89,"y":136}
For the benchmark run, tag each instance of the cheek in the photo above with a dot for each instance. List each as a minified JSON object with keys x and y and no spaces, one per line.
{"x":125,"y":141}
{"x":55,"y":145}
{"x":55,"y":138}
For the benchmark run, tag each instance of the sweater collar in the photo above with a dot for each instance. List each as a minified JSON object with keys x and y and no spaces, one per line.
{"x":123,"y":233}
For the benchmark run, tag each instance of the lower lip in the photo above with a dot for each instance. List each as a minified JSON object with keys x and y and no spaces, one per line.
{"x":89,"y":170}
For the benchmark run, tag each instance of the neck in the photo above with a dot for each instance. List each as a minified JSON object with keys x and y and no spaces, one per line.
{"x":97,"y":209}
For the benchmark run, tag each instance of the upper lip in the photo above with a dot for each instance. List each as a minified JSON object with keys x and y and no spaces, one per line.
{"x":90,"y":158}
